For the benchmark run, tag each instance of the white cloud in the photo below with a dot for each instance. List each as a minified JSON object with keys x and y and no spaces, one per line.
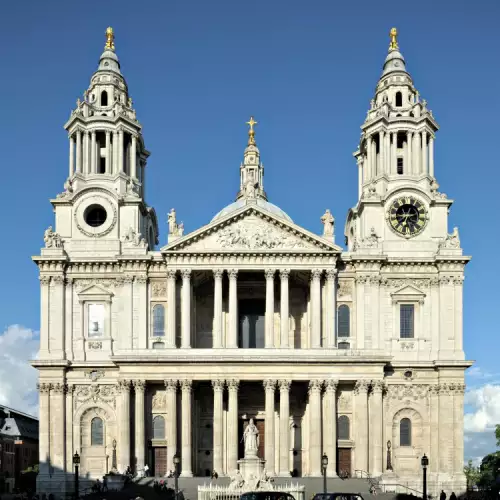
{"x":485,"y":405}
{"x":18,"y":378}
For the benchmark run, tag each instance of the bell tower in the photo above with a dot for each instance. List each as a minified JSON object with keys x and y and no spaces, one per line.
{"x":103,"y":208}
{"x":399,"y":208}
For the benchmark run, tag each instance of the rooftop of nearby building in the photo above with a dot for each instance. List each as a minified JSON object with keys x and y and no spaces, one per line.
{"x":17,"y":424}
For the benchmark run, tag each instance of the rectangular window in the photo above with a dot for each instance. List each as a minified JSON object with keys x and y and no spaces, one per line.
{"x":96,"y":313}
{"x":400,"y":166}
{"x":407,"y":321}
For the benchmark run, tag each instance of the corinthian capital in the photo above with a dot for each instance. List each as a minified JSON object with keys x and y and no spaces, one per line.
{"x":284,"y":385}
{"x":139,"y":385}
{"x":218,"y":385}
{"x":186,"y":274}
{"x":186,"y":385}
{"x":218,"y":273}
{"x":270,"y":274}
{"x":315,"y":386}
{"x":331,"y":385}
{"x":232,"y":273}
{"x":170,"y":385}
{"x":269,"y":384}
{"x":361,"y":387}
{"x":316,"y":274}
{"x":171,"y":274}
{"x":284,"y":273}
{"x":233,"y":384}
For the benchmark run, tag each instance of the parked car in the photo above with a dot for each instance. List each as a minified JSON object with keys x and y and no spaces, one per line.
{"x":337,"y":496}
{"x":266,"y":495}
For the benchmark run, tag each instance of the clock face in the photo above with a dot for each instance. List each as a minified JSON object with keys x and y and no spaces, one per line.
{"x":407,"y":216}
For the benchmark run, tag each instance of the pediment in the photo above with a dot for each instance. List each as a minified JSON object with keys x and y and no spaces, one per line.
{"x":251,"y":229}
{"x":95,"y":292}
{"x":408,"y":293}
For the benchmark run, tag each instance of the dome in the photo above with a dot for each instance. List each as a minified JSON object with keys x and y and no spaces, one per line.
{"x":394,"y":62}
{"x":268,"y":207}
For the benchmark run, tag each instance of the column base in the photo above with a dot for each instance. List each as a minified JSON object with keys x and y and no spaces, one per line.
{"x":284,"y":474}
{"x":186,"y":473}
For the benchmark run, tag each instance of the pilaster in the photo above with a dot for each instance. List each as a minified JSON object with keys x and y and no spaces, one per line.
{"x":284,"y":309}
{"x":269,"y":273}
{"x":284,"y":386}
{"x":140,"y":434}
{"x":269,"y":388}
{"x":232,"y":426}
{"x":330,"y":426}
{"x":217,"y":335}
{"x":124,"y":428}
{"x":361,"y":425}
{"x":376,"y":428}
{"x":218,"y":387}
{"x":316,"y":308}
{"x":233,"y":308}
{"x":186,"y":309}
{"x":171,"y":309}
{"x":171,"y":389}
{"x":315,"y":387}
{"x":186,"y":391}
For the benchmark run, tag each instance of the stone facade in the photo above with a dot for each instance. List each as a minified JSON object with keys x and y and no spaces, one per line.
{"x":146,"y":353}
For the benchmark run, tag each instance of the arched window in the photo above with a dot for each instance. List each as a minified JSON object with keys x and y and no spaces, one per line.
{"x":158,"y":320}
{"x":104,"y":98}
{"x":97,"y":432}
{"x":399,"y":99}
{"x":158,"y":427}
{"x":344,"y":321}
{"x":405,"y":432}
{"x":343,"y":427}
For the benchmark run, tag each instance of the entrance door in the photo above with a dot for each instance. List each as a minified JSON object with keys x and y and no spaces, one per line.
{"x":160,"y":457}
{"x":344,"y":461}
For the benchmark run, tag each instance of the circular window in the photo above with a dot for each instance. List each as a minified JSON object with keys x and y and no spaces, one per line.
{"x":95,"y":215}
{"x":408,"y":373}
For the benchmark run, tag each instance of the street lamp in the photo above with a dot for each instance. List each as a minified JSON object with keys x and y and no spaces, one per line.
{"x":425,"y":463}
{"x":176,"y":474}
{"x":324,"y":465}
{"x":76,"y":463}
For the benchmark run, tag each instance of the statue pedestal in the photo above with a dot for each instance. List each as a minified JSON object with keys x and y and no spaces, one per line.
{"x":389,"y":480}
{"x":251,"y":467}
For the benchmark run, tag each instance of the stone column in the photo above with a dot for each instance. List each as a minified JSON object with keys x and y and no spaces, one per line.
{"x":218,"y":386}
{"x":360,"y":176}
{"x":233,"y":309}
{"x":382,"y":153}
{"x":140,"y":434}
{"x":376,"y":429}
{"x":171,"y":293}
{"x":232,"y":427}
{"x":394,"y":153}
{"x":124,"y":429}
{"x":86,"y":162}
{"x":133,"y":157}
{"x":44,"y":315}
{"x":331,"y":310}
{"x":424,"y":152}
{"x":93,"y":153}
{"x":115,"y":148}
{"x":284,"y":428}
{"x":79,"y":151}
{"x":108,"y":168}
{"x":284,"y":314}
{"x":434,"y":427}
{"x":373,"y":158}
{"x":186,"y":389}
{"x":431,"y":155}
{"x":186,"y":309}
{"x":416,"y":153}
{"x":171,"y":423}
{"x":269,"y":307}
{"x":316,"y":308}
{"x":409,"y":163}
{"x":141,"y":284}
{"x":217,"y":338}
{"x":71,"y":155}
{"x":57,"y":324}
{"x":368,"y":161}
{"x":387,"y":166}
{"x":315,"y":428}
{"x":44,"y":434}
{"x":58,"y":414}
{"x":269,"y":388}
{"x":121,"y":165}
{"x":361,"y":399}
{"x":330,"y":426}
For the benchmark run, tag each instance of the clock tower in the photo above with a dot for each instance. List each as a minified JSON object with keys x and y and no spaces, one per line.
{"x":400,"y":210}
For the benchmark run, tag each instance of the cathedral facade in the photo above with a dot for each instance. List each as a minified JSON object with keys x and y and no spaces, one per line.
{"x":152,"y":352}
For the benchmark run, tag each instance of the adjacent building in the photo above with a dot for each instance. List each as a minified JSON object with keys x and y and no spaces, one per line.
{"x":355,"y":351}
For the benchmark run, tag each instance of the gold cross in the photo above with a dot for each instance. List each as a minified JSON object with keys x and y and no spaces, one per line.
{"x":393,"y":34}
{"x":252,"y":122}
{"x":110,"y":39}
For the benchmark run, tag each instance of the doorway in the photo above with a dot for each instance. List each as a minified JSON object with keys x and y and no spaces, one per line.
{"x":344,"y":461}
{"x":160,"y":461}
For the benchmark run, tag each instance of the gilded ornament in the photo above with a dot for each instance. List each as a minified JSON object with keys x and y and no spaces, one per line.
{"x":110,"y":39}
{"x":393,"y":34}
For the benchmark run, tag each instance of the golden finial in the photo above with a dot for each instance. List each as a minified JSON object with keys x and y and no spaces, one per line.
{"x":251,"y":132}
{"x":394,"y":39}
{"x":110,"y":39}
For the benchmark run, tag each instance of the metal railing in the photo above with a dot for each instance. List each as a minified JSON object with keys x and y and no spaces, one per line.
{"x":216,"y":492}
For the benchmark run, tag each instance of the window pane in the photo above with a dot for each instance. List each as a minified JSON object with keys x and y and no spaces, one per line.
{"x":343,"y":427}
{"x":158,"y":427}
{"x":158,"y":320}
{"x":344,"y":345}
{"x":96,"y":320}
{"x":405,"y":432}
{"x":344,"y":321}
{"x":96,"y":432}
{"x":407,"y":319}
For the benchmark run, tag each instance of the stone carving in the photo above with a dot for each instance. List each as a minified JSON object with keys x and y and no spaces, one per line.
{"x":434,"y":190}
{"x":284,"y":385}
{"x":186,"y":385}
{"x":232,"y":385}
{"x":171,"y":385}
{"x":94,"y":375}
{"x":345,"y":288}
{"x":344,"y":402}
{"x":328,"y":221}
{"x":251,"y":439}
{"x":407,"y":346}
{"x":370,"y":241}
{"x":412,"y":391}
{"x":371,"y":192}
{"x":218,"y":385}
{"x":251,"y":483}
{"x":250,"y":190}
{"x":269,"y":384}
{"x":315,"y":386}
{"x":452,"y":240}
{"x":95,"y":393}
{"x":174,"y":229}
{"x":133,"y":238}
{"x":159,"y":289}
{"x":257,"y":236}
{"x":159,"y":401}
{"x":92,"y":344}
{"x":52,"y":239}
{"x":270,"y":274}
{"x":108,"y":226}
{"x":43,"y":388}
{"x":361,"y":387}
{"x":284,"y":274}
{"x":139,"y":385}
{"x":331,"y":386}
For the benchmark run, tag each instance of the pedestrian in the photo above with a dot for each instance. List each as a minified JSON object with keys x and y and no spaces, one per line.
{"x":146,"y":470}
{"x":453,"y":496}
{"x":442,"y":496}
{"x":104,"y":484}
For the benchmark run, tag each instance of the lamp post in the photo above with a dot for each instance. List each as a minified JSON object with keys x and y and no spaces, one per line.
{"x":324,"y":465}
{"x":425,"y":463}
{"x":76,"y":463}
{"x":176,"y":475}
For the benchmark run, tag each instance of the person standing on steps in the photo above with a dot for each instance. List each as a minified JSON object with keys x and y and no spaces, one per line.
{"x":453,"y":496}
{"x":442,"y":496}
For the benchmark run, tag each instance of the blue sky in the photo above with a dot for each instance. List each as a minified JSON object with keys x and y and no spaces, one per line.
{"x":306,"y":70}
